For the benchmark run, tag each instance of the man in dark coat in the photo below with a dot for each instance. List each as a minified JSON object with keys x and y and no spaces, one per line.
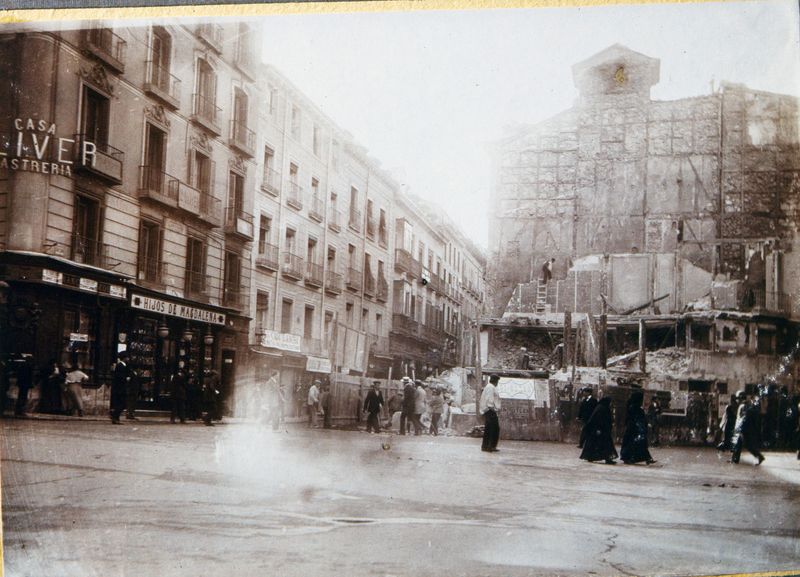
{"x":634,"y":441}
{"x":132,"y":396}
{"x":23,"y":369}
{"x":599,"y":444}
{"x":585,"y":410}
{"x":409,"y":396}
{"x":748,"y":432}
{"x":727,"y":425}
{"x":177,"y":391}
{"x":119,"y":387}
{"x":372,"y":405}
{"x":210,"y":392}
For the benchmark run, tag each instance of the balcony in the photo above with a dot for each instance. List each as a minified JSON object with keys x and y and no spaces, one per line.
{"x":382,"y":290}
{"x":317,"y":209}
{"x":205,"y":112}
{"x":162,"y":85}
{"x":233,"y":296}
{"x":405,"y":325}
{"x":369,"y":284}
{"x":405,"y":263}
{"x":150,"y":271}
{"x":238,"y":222}
{"x":334,"y":219}
{"x":106,"y":46}
{"x":89,"y":251}
{"x":99,"y":159}
{"x":153,"y":186}
{"x":314,"y":274}
{"x":371,"y":226}
{"x":195,"y":202}
{"x":271,"y":182}
{"x":761,"y":301}
{"x":333,"y":282}
{"x":355,"y":220}
{"x":196,"y":285}
{"x":353,"y":279}
{"x":294,"y":196}
{"x":292,"y":266}
{"x":242,"y":138}
{"x":211,"y":34}
{"x":435,"y":283}
{"x":267,"y":256}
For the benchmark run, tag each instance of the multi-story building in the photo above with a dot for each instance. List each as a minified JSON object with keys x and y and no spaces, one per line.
{"x":166,"y":193}
{"x":126,"y":223}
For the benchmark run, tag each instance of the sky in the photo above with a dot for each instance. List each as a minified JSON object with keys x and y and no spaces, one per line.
{"x":427,"y":92}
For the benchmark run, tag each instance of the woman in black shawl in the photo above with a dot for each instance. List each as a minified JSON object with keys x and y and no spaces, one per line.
{"x":634,"y":441}
{"x":599,"y":445}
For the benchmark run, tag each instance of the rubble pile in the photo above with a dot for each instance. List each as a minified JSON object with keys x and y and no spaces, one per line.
{"x":668,"y":361}
{"x":506,"y":344}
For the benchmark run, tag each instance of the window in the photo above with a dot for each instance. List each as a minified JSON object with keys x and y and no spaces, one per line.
{"x":95,"y":116}
{"x":311,"y":251}
{"x":351,"y":256}
{"x":154,"y":159}
{"x":269,"y":167}
{"x":160,"y":56}
{"x":381,"y":274}
{"x":272,"y":100}
{"x":331,"y":258}
{"x":316,"y":140}
{"x":353,"y":198}
{"x":235,"y":194}
{"x":86,"y":246}
{"x":295,"y":126}
{"x":293,"y":173}
{"x":365,"y":320}
{"x":315,"y":188}
{"x":262,"y":311}
{"x":201,"y":172}
{"x":264,"y":233}
{"x":328,"y":329}
{"x":195,"y":266}
{"x":383,"y":233}
{"x":150,"y":240}
{"x":291,"y":240}
{"x":205,"y":104}
{"x":334,"y":199}
{"x":233,"y":271}
{"x":240,"y":113}
{"x":308,"y":323}
{"x":378,"y":323}
{"x":286,"y":316}
{"x":348,"y":313}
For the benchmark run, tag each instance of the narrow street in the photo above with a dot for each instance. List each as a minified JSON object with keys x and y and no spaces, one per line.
{"x":86,"y":498}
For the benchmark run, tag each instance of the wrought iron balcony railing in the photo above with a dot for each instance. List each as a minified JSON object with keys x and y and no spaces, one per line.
{"x":161,"y":84}
{"x":271,"y":182}
{"x":267,"y":256}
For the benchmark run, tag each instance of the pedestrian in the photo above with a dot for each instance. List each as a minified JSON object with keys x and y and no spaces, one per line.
{"x":599,"y":444}
{"x":435,"y":406}
{"x":489,"y":407}
{"x":420,"y":406}
{"x":653,"y":421}
{"x":409,"y":394}
{"x":209,"y":392}
{"x":216,"y":386}
{"x":747,"y":434}
{"x":394,"y":404}
{"x":523,"y":359}
{"x":74,"y":391}
{"x":271,"y":400}
{"x":132,"y":396}
{"x":547,"y":270}
{"x":326,"y":406}
{"x":23,"y":369}
{"x":119,"y":387}
{"x":373,"y":403}
{"x":52,"y":388}
{"x":634,"y":440}
{"x":585,"y":409}
{"x":178,"y":392}
{"x":312,"y":403}
{"x":194,"y":395}
{"x":728,"y":424}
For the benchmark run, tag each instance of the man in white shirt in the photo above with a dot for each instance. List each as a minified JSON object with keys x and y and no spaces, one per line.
{"x":74,"y":392}
{"x":489,"y":407}
{"x":313,"y":404}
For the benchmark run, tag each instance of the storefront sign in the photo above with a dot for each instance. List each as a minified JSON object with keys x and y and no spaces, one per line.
{"x":52,"y":276}
{"x":187,"y":312}
{"x":318,"y":365}
{"x":88,"y":284}
{"x":35,"y":147}
{"x":79,"y":338}
{"x":116,"y":291}
{"x":282,"y":341}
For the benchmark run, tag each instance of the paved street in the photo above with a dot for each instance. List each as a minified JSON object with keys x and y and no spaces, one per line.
{"x":86,"y":498}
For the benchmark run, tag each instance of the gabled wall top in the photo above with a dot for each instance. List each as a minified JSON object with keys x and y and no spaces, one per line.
{"x":616,"y":70}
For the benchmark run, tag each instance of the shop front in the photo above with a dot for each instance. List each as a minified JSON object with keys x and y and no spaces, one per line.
{"x":57,"y":311}
{"x":165,"y":333}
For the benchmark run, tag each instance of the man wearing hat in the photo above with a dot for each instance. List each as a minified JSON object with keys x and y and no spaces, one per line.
{"x":489,"y":407}
{"x":407,"y":414}
{"x":313,"y":403}
{"x":420,"y":406}
{"x":372,"y":406}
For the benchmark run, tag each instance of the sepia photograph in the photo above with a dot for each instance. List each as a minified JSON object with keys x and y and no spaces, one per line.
{"x":249,"y":254}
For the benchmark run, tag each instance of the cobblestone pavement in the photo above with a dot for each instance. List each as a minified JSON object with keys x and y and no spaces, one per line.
{"x":84,"y":498}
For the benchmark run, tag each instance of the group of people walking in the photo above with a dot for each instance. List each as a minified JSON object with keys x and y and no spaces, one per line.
{"x":415,"y":402}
